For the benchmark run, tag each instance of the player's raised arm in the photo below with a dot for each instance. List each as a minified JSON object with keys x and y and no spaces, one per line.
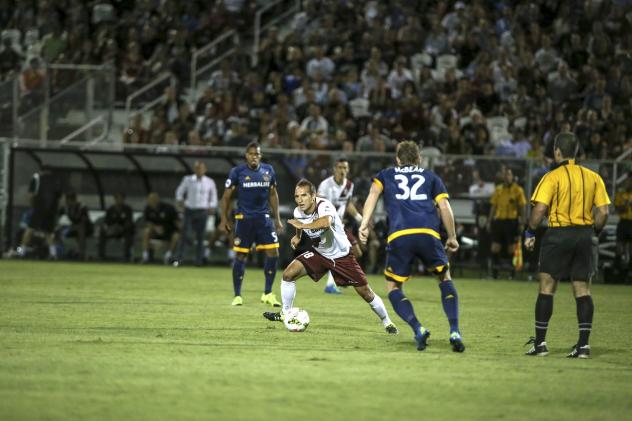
{"x":323,"y":222}
{"x":447,"y":217}
{"x":367,"y":211}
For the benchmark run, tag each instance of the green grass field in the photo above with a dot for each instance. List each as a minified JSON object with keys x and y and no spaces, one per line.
{"x":90,"y":341}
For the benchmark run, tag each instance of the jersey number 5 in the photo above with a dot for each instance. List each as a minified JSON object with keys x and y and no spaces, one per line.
{"x":411,"y":193}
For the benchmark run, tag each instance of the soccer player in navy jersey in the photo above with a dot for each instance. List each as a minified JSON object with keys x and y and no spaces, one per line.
{"x":257,"y":219}
{"x":416,"y":203}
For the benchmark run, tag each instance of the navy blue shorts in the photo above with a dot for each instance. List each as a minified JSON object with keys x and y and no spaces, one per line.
{"x":402,"y":251}
{"x":257,"y":230}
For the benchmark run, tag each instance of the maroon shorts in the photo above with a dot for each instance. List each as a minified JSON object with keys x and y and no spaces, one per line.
{"x":352,"y":238}
{"x":346,"y":270}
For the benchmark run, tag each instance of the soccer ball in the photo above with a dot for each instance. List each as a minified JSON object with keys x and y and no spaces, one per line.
{"x":296,"y":320}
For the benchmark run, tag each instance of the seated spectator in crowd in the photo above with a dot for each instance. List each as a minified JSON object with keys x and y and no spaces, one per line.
{"x":314,"y":122}
{"x":161,"y":223}
{"x":374,"y":141}
{"x":320,"y":64}
{"x":480,"y":188}
{"x":10,"y":59}
{"x":398,"y":77}
{"x":32,"y":84}
{"x":80,"y":227}
{"x":118,"y":223}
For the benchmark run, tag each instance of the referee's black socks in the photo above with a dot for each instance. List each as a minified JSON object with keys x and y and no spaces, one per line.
{"x":585,"y":309}
{"x":543,"y":312}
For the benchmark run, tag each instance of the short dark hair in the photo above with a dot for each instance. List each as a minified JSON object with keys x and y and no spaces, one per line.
{"x":408,"y":153}
{"x":342,"y":159}
{"x":567,"y":143}
{"x":253,"y":144}
{"x":303,"y":182}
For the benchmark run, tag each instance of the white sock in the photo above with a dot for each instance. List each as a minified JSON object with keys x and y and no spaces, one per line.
{"x":377,"y":305}
{"x":52,"y":250}
{"x":145,"y":255}
{"x":288,"y":292}
{"x":330,"y":279}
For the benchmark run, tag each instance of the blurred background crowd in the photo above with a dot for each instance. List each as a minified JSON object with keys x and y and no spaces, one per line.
{"x":480,"y":77}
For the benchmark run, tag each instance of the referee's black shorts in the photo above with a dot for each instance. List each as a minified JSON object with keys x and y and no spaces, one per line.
{"x":505,"y":231}
{"x":566,"y":253}
{"x":624,"y":230}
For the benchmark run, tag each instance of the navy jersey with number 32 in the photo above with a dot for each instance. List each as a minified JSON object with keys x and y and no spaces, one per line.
{"x":410,"y":195}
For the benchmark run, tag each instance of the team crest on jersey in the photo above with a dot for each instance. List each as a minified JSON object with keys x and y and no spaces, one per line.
{"x":247,"y":178}
{"x":266,"y":177}
{"x":237,"y":241}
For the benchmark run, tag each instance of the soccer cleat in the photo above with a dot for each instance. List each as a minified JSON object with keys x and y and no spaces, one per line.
{"x":391,"y":329}
{"x":581,"y":352}
{"x":540,"y":350}
{"x":273,"y":317}
{"x":421,"y":339}
{"x":332,"y":289}
{"x":457,"y":342}
{"x":176,"y":263}
{"x":271,"y":299}
{"x":237,"y":301}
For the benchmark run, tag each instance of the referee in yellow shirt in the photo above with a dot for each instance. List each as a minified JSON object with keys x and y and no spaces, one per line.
{"x":571,"y":194}
{"x":506,"y":218}
{"x":623,"y":205}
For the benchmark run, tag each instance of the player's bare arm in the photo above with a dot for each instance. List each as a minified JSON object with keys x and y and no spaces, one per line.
{"x":354,"y":212}
{"x":323,"y":222}
{"x":538,"y":212}
{"x":225,"y":224}
{"x":296,"y":239}
{"x":447,"y":217}
{"x":601,"y":217}
{"x":274,"y":208}
{"x":367,"y":212}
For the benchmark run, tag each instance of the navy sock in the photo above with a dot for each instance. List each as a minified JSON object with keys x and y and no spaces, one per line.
{"x":585,"y":310}
{"x":404,"y":309}
{"x":270,"y":268}
{"x":543,"y":312}
{"x":450,"y":301}
{"x":239,"y":267}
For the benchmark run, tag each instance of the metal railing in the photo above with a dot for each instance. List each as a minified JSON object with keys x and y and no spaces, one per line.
{"x":162,"y":81}
{"x":85,"y":91}
{"x":619,"y":161}
{"x":87,"y":129}
{"x":211,"y":55}
{"x":271,"y":14}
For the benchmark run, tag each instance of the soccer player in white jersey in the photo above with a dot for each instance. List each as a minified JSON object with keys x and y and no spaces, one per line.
{"x":338,"y":189}
{"x":331,"y":251}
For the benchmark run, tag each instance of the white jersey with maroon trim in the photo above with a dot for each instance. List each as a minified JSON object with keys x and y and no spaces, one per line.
{"x":338,"y":194}
{"x":332,"y":242}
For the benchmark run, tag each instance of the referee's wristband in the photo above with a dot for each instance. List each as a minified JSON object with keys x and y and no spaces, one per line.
{"x":529,"y":233}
